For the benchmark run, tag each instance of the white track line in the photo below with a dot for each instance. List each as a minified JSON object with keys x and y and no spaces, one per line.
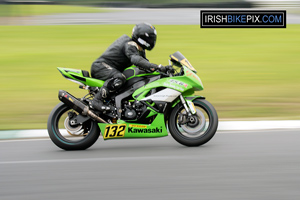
{"x":96,"y":159}
{"x":223,"y":126}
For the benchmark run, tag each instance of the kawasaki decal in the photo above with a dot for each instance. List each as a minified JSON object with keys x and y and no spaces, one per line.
{"x":144,"y":130}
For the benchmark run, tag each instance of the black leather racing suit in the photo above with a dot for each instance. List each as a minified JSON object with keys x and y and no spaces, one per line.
{"x":121,"y":54}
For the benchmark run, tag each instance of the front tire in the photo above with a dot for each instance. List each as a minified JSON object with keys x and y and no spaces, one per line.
{"x":198,"y":132}
{"x":70,"y":137}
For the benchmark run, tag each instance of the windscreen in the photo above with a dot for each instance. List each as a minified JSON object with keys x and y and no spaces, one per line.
{"x":178,"y":57}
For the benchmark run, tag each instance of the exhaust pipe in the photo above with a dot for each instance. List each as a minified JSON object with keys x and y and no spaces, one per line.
{"x":75,"y":104}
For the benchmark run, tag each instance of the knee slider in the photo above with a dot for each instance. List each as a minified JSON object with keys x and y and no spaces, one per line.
{"x":118,"y":81}
{"x":114,"y":83}
{"x":103,"y":93}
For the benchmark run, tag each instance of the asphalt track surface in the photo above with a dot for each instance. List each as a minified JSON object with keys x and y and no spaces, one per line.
{"x":238,"y":165}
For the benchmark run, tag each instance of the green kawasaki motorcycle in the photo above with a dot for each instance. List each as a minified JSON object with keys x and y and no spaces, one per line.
{"x":149,"y":105}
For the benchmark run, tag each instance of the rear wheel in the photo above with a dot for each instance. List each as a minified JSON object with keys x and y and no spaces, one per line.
{"x":69,"y":135}
{"x":194,"y":130}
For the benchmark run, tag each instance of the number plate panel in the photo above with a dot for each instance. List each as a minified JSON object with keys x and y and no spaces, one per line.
{"x":114,"y":131}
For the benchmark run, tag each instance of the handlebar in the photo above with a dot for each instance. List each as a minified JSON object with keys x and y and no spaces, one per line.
{"x":169,"y":71}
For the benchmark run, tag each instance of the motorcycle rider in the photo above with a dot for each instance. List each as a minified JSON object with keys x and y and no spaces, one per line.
{"x":121,"y":54}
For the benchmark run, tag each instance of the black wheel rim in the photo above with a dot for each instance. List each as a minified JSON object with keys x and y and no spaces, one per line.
{"x":67,"y":133}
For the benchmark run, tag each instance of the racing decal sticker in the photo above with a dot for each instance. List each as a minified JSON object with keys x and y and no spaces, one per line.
{"x":114,"y":131}
{"x":189,"y":73}
{"x":137,"y":126}
{"x":192,"y":107}
{"x":175,"y":85}
{"x":71,"y":70}
{"x":188,"y":64}
{"x":178,"y":82}
{"x":144,"y":130}
{"x":174,"y":58}
{"x":69,"y":98}
{"x":170,"y":85}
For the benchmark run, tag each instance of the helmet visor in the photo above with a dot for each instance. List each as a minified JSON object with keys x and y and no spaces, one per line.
{"x":151,"y":40}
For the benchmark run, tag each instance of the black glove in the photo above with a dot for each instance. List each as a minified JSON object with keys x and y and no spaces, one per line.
{"x":170,"y":69}
{"x":162,"y":68}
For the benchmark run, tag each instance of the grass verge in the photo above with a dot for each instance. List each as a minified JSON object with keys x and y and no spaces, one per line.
{"x":247,"y":73}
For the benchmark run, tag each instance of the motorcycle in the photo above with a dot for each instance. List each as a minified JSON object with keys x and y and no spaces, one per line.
{"x":149,"y":105}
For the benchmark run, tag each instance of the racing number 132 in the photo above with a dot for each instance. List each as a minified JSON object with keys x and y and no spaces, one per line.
{"x":112,"y":131}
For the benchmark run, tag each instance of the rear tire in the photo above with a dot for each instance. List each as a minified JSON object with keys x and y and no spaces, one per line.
{"x":81,"y":142}
{"x":194,"y":134}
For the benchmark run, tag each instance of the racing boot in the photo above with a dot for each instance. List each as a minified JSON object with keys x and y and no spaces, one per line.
{"x":98,"y":103}
{"x":109,"y":87}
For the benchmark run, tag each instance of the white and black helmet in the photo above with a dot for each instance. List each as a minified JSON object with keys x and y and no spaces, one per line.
{"x":145,"y":35}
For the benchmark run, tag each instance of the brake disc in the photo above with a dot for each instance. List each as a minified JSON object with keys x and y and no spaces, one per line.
{"x":200,"y":127}
{"x":73,"y":130}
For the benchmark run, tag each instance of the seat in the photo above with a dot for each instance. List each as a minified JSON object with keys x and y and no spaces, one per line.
{"x":85,"y":73}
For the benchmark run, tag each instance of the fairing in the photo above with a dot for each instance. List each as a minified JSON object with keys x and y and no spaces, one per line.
{"x":178,"y":57}
{"x":131,"y":130}
{"x":189,"y":83}
{"x":76,"y":76}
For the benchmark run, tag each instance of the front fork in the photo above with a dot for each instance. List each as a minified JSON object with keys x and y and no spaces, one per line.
{"x":188,"y":106}
{"x":190,"y":109}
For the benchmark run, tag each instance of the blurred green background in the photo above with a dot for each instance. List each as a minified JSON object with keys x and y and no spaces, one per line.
{"x":7,"y":10}
{"x":248,"y":74}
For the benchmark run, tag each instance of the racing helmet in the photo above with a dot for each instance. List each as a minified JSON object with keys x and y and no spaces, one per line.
{"x":144,"y":35}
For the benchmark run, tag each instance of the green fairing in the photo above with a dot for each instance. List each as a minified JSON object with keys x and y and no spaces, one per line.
{"x":94,"y":82}
{"x":193,"y":79}
{"x":186,"y":84}
{"x":152,"y":112}
{"x":156,"y":129}
{"x":77,"y":75}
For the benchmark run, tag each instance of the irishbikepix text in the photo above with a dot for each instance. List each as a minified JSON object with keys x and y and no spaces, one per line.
{"x":243,"y":19}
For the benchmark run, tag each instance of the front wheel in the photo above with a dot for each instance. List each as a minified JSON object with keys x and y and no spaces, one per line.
{"x":197,"y":129}
{"x":68,"y":135}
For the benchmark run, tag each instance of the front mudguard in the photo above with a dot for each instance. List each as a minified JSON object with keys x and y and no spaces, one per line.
{"x":192,"y":98}
{"x":178,"y":102}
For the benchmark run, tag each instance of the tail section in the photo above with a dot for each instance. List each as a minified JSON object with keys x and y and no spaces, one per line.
{"x":80,"y":76}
